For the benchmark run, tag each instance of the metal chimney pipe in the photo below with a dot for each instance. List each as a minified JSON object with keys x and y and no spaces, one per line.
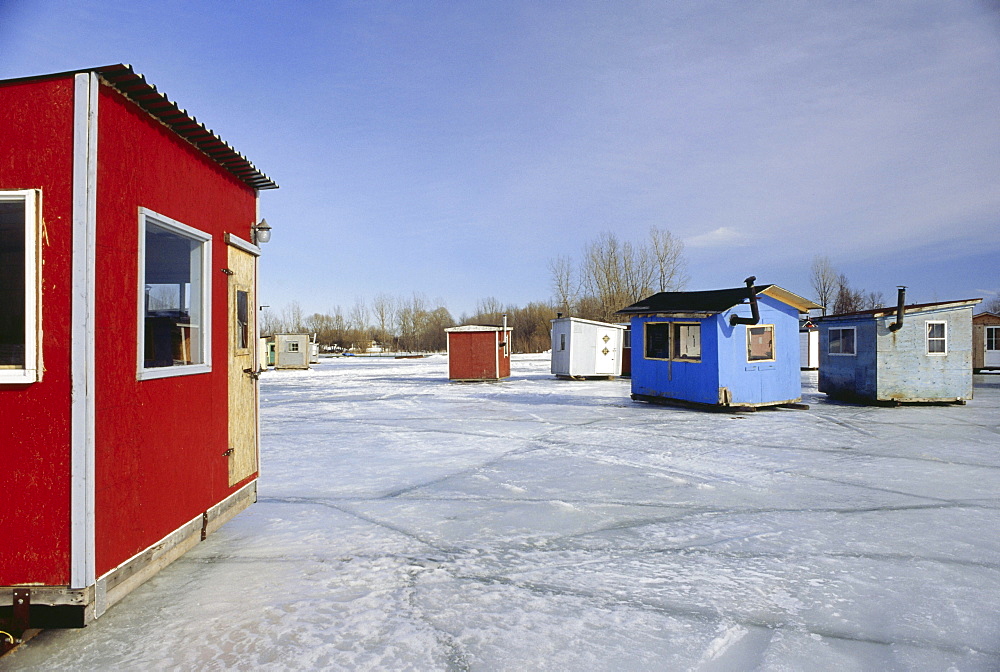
{"x":900,"y":309}
{"x":754,"y":310}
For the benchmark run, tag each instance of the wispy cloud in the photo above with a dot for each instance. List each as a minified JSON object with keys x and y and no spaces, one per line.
{"x":724,"y":236}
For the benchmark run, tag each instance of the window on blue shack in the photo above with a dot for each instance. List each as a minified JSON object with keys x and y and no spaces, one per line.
{"x":673,"y":340}
{"x":760,"y":343}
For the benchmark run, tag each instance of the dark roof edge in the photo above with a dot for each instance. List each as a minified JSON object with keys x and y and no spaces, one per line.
{"x":891,"y":310}
{"x":171,"y":115}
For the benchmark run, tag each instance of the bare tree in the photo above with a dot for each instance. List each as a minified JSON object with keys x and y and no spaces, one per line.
{"x":384,"y":313}
{"x":604,"y":273}
{"x":565,"y":286}
{"x":824,"y":281}
{"x":993,"y":305}
{"x":847,"y":299}
{"x":874,"y":300}
{"x":291,"y":319}
{"x":270,"y":323}
{"x":489,"y":311}
{"x":668,"y":260}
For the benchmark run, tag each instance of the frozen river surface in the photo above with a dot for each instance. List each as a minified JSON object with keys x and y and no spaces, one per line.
{"x":408,"y":523}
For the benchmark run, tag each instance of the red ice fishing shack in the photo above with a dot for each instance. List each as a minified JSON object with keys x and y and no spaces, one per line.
{"x":477,"y":352}
{"x":128,"y":271}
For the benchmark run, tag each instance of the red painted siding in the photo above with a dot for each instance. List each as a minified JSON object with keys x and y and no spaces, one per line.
{"x":36,"y":152}
{"x":472,"y":355}
{"x":160,"y":443}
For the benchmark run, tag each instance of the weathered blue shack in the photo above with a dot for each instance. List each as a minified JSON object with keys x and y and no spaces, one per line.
{"x":916,"y":353}
{"x":726,"y":348}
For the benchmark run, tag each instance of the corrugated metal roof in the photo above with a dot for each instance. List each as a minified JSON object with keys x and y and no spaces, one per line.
{"x":135,"y":87}
{"x":712,"y":301}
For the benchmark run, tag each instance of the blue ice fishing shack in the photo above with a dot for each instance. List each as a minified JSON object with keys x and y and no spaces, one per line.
{"x":918,"y":353}
{"x":735,"y":349}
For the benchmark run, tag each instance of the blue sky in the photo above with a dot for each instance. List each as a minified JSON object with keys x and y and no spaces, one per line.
{"x":455,"y":148}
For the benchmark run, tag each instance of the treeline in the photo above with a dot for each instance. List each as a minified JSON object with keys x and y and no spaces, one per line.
{"x":408,"y":324}
{"x":610,"y":275}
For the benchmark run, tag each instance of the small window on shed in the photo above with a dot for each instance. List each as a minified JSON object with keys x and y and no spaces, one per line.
{"x":657,"y":340}
{"x":293,"y":346}
{"x":992,"y":338}
{"x":242,"y":319}
{"x":562,"y":341}
{"x":687,"y":342}
{"x":18,"y":287}
{"x":760,"y":343}
{"x":842,"y":341}
{"x":937,"y":338}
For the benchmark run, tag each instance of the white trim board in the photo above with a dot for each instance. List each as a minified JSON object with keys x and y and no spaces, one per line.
{"x":82,"y":526}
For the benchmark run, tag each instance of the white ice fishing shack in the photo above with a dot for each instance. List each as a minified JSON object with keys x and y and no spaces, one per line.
{"x":292,"y":351}
{"x":586,"y":349}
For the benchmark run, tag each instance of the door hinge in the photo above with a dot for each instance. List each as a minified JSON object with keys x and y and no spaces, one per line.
{"x":229,"y":451}
{"x":228,"y":271}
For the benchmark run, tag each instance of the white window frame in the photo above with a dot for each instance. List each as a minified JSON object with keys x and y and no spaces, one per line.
{"x":928,"y":339}
{"x":32,"y":371}
{"x":774,"y":345}
{"x":206,"y":292}
{"x":292,"y":346}
{"x":995,"y":331}
{"x":854,"y":342}
{"x":677,"y":342}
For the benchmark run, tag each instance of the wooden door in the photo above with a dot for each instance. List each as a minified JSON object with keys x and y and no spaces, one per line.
{"x":242,"y":366}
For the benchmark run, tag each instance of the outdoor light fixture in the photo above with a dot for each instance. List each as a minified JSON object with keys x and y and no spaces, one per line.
{"x":260,"y":232}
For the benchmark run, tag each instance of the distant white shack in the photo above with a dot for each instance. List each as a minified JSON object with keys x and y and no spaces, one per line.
{"x":586,"y":349}
{"x":292,"y":351}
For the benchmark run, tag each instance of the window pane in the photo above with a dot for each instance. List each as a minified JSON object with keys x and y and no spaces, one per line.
{"x":242,"y":319}
{"x":836,"y":346}
{"x":658,"y":340}
{"x":12,"y":289}
{"x":993,"y":338}
{"x":937,"y":342}
{"x":760,"y":343}
{"x":173,"y":290}
{"x":847,"y":342}
{"x":687,"y":341}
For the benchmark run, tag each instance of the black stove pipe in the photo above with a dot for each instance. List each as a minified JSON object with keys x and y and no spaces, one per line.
{"x":754,"y":310}
{"x":900,"y":309}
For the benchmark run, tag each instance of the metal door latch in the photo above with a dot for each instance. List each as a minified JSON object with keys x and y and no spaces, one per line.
{"x":252,"y":373}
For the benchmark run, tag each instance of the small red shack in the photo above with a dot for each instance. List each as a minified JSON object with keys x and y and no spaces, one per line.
{"x":128,"y":276}
{"x":478,"y":352}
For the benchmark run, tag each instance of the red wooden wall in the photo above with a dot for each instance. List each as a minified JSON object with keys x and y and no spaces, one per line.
{"x":472,"y":355}
{"x":160,"y":443}
{"x":36,"y":152}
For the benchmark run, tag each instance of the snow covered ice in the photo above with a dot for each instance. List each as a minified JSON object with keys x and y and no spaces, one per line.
{"x":409,"y":523}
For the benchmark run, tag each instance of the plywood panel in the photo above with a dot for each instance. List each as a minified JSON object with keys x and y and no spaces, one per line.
{"x":242,"y":384}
